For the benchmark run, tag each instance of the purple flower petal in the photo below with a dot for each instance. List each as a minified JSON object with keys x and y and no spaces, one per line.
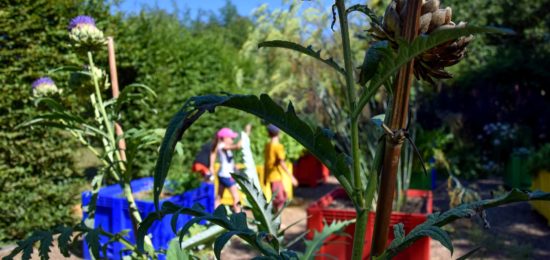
{"x":43,"y":80}
{"x":81,"y":20}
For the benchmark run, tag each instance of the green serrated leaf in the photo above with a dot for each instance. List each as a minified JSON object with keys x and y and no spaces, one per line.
{"x":263,"y":107}
{"x":367,"y":11}
{"x":432,"y":226}
{"x":221,"y":241}
{"x":398,"y":231}
{"x":239,"y":220}
{"x":46,"y":241}
{"x":92,"y":238}
{"x":64,"y":240}
{"x":313,"y":245}
{"x":261,"y":209}
{"x":392,"y":61}
{"x":438,"y":234}
{"x":304,"y":50}
{"x":189,"y":224}
{"x":177,"y":126}
{"x":373,"y":56}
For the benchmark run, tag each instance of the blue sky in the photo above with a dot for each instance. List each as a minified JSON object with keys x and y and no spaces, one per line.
{"x":244,"y":7}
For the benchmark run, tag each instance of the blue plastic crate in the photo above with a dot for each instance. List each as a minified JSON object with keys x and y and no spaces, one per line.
{"x":113,"y":216}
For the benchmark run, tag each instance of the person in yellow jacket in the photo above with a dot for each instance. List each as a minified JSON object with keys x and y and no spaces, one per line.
{"x":275,"y":166}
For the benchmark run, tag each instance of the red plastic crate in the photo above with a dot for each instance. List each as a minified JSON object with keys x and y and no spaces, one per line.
{"x":309,"y":171}
{"x":340,"y":247}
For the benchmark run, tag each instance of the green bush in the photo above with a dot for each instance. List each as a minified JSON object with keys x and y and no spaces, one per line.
{"x":37,"y":177}
{"x":178,"y":61}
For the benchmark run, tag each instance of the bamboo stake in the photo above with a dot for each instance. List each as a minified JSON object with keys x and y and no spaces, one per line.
{"x":394,"y":141}
{"x":115,"y":92}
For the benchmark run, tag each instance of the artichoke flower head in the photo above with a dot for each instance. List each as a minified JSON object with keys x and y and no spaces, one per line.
{"x":429,"y":65}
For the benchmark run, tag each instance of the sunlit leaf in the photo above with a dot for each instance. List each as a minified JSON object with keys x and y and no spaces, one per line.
{"x":304,"y":50}
{"x":314,"y":140}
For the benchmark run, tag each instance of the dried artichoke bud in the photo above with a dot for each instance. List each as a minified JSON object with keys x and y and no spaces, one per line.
{"x":431,"y":64}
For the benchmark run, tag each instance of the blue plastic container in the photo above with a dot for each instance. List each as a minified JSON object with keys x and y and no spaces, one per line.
{"x":113,"y":216}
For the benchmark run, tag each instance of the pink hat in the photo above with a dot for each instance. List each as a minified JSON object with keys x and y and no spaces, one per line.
{"x":226,"y":132}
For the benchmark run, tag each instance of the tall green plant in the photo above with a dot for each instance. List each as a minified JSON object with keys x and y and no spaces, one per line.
{"x":99,"y":128}
{"x":37,"y":168}
{"x":346,"y":167}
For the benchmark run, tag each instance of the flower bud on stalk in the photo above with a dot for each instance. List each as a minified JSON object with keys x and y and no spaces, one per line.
{"x":431,"y":64}
{"x":44,"y":87}
{"x":84,"y":33}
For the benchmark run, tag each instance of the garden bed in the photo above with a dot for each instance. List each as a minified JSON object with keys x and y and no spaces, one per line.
{"x":340,"y":247}
{"x":113,"y":216}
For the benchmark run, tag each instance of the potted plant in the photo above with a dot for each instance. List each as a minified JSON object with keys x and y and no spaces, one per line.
{"x":539,"y":167}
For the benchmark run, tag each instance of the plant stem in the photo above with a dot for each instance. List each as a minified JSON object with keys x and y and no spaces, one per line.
{"x":394,"y":142}
{"x":362,"y":212}
{"x":124,"y":180}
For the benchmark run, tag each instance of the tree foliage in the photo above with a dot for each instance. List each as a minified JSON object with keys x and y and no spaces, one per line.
{"x":179,"y":60}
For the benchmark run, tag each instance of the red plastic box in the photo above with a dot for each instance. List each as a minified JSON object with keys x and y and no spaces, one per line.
{"x":340,"y":247}
{"x":309,"y":171}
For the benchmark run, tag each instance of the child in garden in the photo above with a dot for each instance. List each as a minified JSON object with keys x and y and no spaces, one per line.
{"x":275,"y":167}
{"x":222,"y":148}
{"x":202,"y":161}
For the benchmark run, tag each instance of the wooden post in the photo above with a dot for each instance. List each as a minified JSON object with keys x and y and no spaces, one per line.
{"x":394,"y":142}
{"x":115,"y":90}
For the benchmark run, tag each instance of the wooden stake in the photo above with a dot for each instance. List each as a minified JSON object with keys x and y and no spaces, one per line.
{"x":394,"y":142}
{"x":115,"y":91}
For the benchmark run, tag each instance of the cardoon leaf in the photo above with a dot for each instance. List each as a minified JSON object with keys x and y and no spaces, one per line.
{"x":64,"y":240}
{"x":304,"y":50}
{"x":314,"y":140}
{"x":432,"y":226}
{"x":261,"y":209}
{"x":392,"y":61}
{"x":221,"y":241}
{"x":313,"y":245}
{"x":92,"y":238}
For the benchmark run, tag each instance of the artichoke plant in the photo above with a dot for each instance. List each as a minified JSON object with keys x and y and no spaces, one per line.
{"x":429,"y":65}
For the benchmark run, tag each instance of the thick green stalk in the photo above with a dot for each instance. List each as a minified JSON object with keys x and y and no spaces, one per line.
{"x":124,"y":180}
{"x":362,"y":212}
{"x":103,"y":140}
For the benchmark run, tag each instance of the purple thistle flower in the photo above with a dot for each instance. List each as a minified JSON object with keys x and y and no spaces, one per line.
{"x":43,"y":87}
{"x":42,"y":81}
{"x":80,"y":21}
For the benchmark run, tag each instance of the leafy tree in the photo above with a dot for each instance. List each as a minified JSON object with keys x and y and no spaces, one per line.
{"x":179,"y":60}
